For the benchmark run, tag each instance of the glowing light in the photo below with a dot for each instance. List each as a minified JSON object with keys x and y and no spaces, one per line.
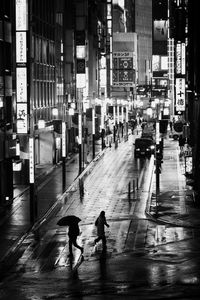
{"x":41,"y":124}
{"x":55,"y":112}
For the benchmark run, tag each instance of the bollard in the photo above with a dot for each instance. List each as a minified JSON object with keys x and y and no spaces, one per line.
{"x":81,"y":187}
{"x":134,"y":186}
{"x":129,"y":191}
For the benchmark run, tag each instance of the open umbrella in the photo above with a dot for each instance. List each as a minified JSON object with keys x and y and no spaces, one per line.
{"x":68,"y":220}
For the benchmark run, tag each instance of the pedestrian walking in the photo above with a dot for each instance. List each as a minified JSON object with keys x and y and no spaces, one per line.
{"x":73,"y":233}
{"x":181,"y":144}
{"x":100,"y":223}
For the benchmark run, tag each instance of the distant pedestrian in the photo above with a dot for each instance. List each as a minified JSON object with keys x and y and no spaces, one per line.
{"x":181,"y":143}
{"x":171,"y":125}
{"x":73,"y":233}
{"x":100,"y":223}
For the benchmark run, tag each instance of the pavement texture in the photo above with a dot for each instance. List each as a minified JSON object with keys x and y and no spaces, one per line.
{"x":173,"y":205}
{"x":152,"y":242}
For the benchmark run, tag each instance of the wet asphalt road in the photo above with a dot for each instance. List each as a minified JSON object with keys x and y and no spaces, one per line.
{"x":144,"y":259}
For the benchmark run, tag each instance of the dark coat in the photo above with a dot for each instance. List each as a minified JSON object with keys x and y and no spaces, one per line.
{"x":73,"y":230}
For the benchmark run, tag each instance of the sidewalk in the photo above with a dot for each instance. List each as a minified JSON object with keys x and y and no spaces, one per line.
{"x":15,"y":223}
{"x":174,"y":204}
{"x":152,"y":245}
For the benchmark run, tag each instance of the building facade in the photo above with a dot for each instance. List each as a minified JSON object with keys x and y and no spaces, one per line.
{"x":7,"y":97}
{"x":50,"y":67}
{"x":193,"y":92}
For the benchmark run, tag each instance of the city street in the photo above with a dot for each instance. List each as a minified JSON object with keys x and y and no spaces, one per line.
{"x":99,"y":150}
{"x":146,"y":257}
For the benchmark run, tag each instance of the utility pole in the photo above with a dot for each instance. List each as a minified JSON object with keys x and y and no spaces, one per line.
{"x":157,"y":163}
{"x":63,"y":155}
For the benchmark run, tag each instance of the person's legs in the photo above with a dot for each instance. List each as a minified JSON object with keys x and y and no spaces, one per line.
{"x":104,"y":242}
{"x":76,"y":245}
{"x":97,"y":239}
{"x":70,"y":247}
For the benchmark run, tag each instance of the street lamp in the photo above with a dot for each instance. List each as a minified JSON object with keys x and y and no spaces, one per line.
{"x":63,"y":153}
{"x":157,"y":158}
{"x":93,"y":131}
{"x":102,"y":125}
{"x":80,"y":140}
{"x":114,"y":122}
{"x":118,"y":104}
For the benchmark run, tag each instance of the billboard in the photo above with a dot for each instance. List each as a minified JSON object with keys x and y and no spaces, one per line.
{"x":160,"y":30}
{"x":123,"y":69}
{"x":159,"y":63}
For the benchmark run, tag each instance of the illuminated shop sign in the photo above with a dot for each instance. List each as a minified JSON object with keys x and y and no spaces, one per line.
{"x":21,"y":15}
{"x":21,"y":47}
{"x":21,"y":84}
{"x":159,"y":63}
{"x":22,"y":118}
{"x":21,"y":8}
{"x":109,"y":38}
{"x":155,"y":63}
{"x":31,"y":158}
{"x":180,"y":94}
{"x":63,"y":139}
{"x":123,"y":69}
{"x":180,"y":59}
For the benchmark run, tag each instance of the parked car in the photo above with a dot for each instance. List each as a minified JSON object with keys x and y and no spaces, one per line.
{"x":144,"y":147}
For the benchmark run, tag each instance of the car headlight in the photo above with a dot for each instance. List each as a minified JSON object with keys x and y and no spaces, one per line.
{"x":152,"y":147}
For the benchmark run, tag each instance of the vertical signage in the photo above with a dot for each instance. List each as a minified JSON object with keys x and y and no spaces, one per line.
{"x":180,"y":59}
{"x":21,"y":15}
{"x":21,"y":85}
{"x":180,"y":94}
{"x":31,"y":159}
{"x":180,"y":78}
{"x":21,"y":8}
{"x":109,"y":41}
{"x":21,"y":47}
{"x":63,"y":139}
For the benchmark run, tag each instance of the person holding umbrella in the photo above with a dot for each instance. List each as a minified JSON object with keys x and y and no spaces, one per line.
{"x":100,"y":222}
{"x":73,"y":232}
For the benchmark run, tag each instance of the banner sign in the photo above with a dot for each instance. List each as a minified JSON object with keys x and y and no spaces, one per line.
{"x":180,"y":94}
{"x":21,"y":15}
